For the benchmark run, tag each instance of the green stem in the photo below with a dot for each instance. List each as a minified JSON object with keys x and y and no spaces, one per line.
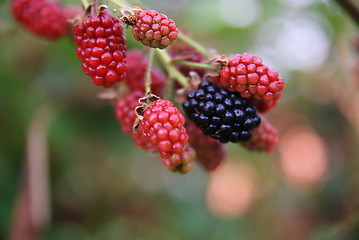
{"x":194,"y":64}
{"x":195,"y":45}
{"x":172,"y":70}
{"x":169,"y":89}
{"x":148,"y":71}
{"x":85,"y":3}
{"x":121,"y":4}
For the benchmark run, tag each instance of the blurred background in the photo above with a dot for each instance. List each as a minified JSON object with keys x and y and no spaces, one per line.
{"x":99,"y":186}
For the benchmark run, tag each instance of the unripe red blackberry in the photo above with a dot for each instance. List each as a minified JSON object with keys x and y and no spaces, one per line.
{"x":221,"y":114}
{"x":265,"y":138}
{"x":247,"y":75}
{"x":125,"y":111}
{"x":181,"y":162}
{"x":162,"y":124}
{"x":136,"y":71}
{"x":41,"y":17}
{"x":154,"y":30}
{"x":209,"y":152}
{"x":101,"y":48}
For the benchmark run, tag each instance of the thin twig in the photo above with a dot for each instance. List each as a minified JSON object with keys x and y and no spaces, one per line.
{"x":172,"y":70}
{"x":195,"y":45}
{"x":149,"y":69}
{"x":195,"y":64}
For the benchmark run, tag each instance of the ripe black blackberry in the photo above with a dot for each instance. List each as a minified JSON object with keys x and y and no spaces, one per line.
{"x":221,"y":114}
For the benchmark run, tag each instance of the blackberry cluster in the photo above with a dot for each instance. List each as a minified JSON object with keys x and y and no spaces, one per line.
{"x":154,"y":30}
{"x":221,"y":114}
{"x":162,"y":124}
{"x":101,"y":48}
{"x":41,"y":17}
{"x":248,"y":75}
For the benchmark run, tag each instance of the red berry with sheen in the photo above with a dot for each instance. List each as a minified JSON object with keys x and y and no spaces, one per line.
{"x":182,"y":162}
{"x":264,"y":138}
{"x":162,"y":124}
{"x":101,"y":48}
{"x":136,"y":71}
{"x":154,"y":30}
{"x":41,"y":17}
{"x":247,"y":75}
{"x":209,"y":152}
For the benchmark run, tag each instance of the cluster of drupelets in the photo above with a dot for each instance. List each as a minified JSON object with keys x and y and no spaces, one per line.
{"x":221,"y":96}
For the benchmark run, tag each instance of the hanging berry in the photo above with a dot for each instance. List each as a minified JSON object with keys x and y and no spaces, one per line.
{"x":41,"y":17}
{"x":151,"y":28}
{"x":162,"y":123}
{"x":101,"y":48}
{"x":247,"y":75}
{"x":221,"y":114}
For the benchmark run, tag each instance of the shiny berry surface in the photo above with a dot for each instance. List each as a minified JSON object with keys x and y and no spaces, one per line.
{"x":221,"y":114}
{"x":247,"y":75}
{"x":101,"y":48}
{"x":154,"y":30}
{"x":162,"y":124}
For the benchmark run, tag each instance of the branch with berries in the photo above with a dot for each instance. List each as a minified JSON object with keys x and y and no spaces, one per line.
{"x":221,"y":96}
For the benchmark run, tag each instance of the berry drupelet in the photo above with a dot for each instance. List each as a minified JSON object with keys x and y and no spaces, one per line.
{"x":247,"y":75}
{"x":221,"y":114}
{"x":101,"y":48}
{"x":154,"y":30}
{"x":162,"y":124}
{"x":41,"y":17}
{"x":182,"y":162}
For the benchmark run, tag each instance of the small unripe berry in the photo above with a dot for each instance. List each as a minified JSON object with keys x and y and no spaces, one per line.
{"x":154,"y":30}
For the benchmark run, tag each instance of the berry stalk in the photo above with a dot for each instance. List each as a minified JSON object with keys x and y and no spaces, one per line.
{"x":195,"y":64}
{"x":121,"y":4}
{"x":170,"y":68}
{"x":148,"y":71}
{"x":195,"y":45}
